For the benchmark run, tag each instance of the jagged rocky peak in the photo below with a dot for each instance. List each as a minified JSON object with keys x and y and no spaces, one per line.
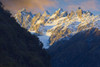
{"x":64,"y":14}
{"x":56,"y":15}
{"x":89,"y":13}
{"x":79,"y":12}
{"x":38,"y":14}
{"x":71,"y":14}
{"x":24,"y":18}
{"x":59,"y":11}
{"x":23,"y":10}
{"x":61,"y":24}
{"x":46,"y":14}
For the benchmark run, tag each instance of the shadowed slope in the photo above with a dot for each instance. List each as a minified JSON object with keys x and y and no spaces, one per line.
{"x":82,"y":50}
{"x":18,"y":48}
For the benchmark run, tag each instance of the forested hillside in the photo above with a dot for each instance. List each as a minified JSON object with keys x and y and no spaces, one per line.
{"x":18,"y":48}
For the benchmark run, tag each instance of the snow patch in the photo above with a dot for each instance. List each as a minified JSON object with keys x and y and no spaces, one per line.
{"x":45,"y":40}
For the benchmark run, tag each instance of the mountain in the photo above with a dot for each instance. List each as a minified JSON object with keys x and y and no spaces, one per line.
{"x":55,"y":16}
{"x":46,"y":14}
{"x":23,"y":18}
{"x":18,"y":48}
{"x":64,"y":14}
{"x":82,"y":50}
{"x":61,"y":24}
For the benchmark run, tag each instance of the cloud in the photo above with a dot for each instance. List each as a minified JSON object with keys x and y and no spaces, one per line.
{"x":14,"y":5}
{"x":86,"y":5}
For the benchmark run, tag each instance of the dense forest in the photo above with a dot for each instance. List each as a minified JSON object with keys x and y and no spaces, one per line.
{"x":18,"y":48}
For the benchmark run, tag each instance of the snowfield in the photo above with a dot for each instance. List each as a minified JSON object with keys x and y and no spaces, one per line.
{"x":45,"y":40}
{"x":58,"y":25}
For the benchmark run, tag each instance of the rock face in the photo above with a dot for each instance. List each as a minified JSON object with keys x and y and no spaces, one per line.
{"x":74,"y":36}
{"x":82,"y":50}
{"x":62,"y":24}
{"x":18,"y":48}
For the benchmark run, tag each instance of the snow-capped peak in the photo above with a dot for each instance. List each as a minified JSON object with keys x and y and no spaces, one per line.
{"x":23,"y":10}
{"x":64,"y":14}
{"x":59,"y":25}
{"x":59,"y":11}
{"x":46,"y":14}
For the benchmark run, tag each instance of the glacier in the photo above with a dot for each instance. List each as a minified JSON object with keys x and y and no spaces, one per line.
{"x":57,"y":26}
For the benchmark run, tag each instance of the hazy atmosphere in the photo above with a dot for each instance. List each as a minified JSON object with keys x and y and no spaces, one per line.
{"x":51,"y":5}
{"x":49,"y":33}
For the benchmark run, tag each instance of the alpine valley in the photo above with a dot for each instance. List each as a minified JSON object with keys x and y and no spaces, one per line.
{"x":59,"y":26}
{"x":60,"y":39}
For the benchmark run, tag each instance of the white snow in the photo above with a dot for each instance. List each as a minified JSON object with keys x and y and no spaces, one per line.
{"x":53,"y":16}
{"x":45,"y":40}
{"x":97,"y":24}
{"x":55,"y":21}
{"x":32,"y":32}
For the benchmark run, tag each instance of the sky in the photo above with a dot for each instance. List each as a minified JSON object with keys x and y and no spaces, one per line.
{"x":36,"y":6}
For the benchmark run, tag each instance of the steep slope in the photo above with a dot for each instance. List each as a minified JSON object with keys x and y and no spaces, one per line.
{"x":54,"y":16}
{"x":82,"y":50}
{"x":62,"y":24}
{"x":24,"y":18}
{"x":18,"y":48}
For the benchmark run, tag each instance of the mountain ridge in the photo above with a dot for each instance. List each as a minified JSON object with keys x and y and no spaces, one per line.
{"x":82,"y":50}
{"x":62,"y":24}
